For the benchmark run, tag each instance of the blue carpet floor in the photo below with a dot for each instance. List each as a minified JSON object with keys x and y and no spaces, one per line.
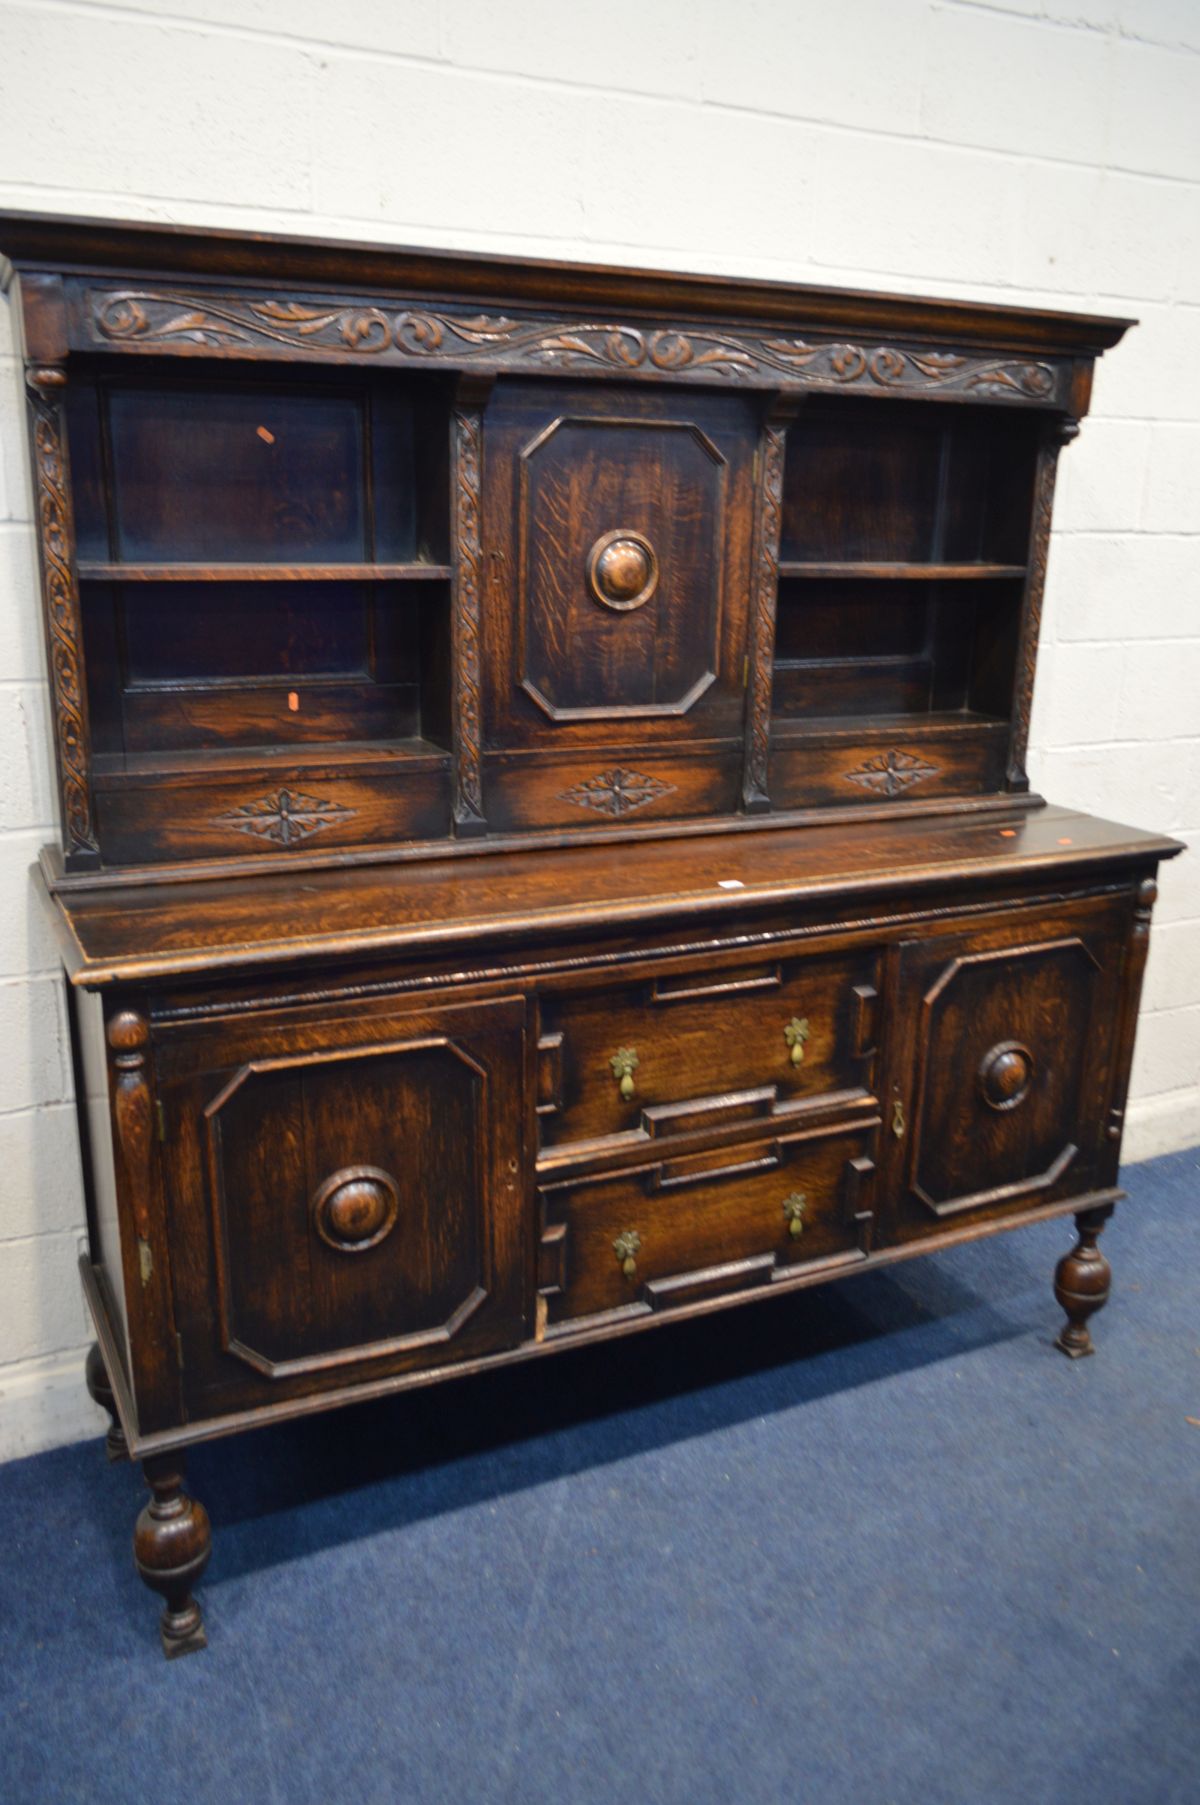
{"x":878,"y":1543}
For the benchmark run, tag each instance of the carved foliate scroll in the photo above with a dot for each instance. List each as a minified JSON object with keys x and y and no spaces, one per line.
{"x":764,"y":586}
{"x":392,"y":332}
{"x":468,"y":604}
{"x":1035,"y":586}
{"x":60,"y":591}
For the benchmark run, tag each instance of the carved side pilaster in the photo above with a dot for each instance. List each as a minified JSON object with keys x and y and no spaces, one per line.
{"x":129,"y":1037}
{"x":466,"y":627}
{"x":60,"y":592}
{"x":768,"y":515}
{"x":138,"y":1128}
{"x":1035,"y":585}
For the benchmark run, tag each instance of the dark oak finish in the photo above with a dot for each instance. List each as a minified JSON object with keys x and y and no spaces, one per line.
{"x":172,"y":1542}
{"x":1082,"y":1280}
{"x":101,"y":1391}
{"x":546,"y":846}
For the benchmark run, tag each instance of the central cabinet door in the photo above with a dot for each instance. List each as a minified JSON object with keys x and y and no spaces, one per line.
{"x":617,"y":526}
{"x":361,"y":1193}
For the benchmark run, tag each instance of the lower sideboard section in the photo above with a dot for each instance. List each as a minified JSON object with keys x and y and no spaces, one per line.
{"x":324,"y":1193}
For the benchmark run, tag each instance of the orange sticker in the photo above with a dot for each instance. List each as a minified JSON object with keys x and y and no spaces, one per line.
{"x":1066,"y":842}
{"x":268,"y":438}
{"x":1008,"y":833}
{"x":293,"y":701}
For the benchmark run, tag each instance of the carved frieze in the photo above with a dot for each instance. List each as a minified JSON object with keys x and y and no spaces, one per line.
{"x":397,"y":333}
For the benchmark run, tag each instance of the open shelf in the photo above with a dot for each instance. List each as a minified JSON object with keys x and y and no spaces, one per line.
{"x":912,"y":648}
{"x":264,"y":564}
{"x":414,"y":572}
{"x":906,"y":490}
{"x":814,"y":570}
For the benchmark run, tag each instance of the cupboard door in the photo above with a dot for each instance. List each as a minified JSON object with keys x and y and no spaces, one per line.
{"x":361,"y":1197}
{"x":1006,"y":1057}
{"x":619,"y":526}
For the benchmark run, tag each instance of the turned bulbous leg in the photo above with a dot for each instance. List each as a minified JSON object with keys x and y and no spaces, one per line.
{"x":171,"y":1545}
{"x":96,"y":1379}
{"x":1082,"y":1280}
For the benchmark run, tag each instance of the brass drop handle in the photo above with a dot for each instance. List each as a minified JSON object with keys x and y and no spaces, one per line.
{"x":796,"y":1033}
{"x":624,"y":1063}
{"x":898,"y":1119}
{"x":793,"y":1209}
{"x":627,"y":1246}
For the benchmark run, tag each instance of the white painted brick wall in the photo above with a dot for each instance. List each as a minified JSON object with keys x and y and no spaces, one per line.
{"x":1038,"y":150}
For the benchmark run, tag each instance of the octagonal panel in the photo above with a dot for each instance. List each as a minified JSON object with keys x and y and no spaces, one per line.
{"x":619,"y":607}
{"x":348,"y":1204}
{"x":1002,"y":1058}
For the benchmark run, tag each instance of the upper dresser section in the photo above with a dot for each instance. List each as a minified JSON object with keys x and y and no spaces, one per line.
{"x":351,"y":551}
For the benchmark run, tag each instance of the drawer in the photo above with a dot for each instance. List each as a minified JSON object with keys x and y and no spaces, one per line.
{"x":675,"y":1231}
{"x":811,"y":771}
{"x":260,"y":816}
{"x":704,"y":1046}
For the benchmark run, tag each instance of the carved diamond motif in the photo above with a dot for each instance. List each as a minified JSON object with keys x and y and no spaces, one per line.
{"x":284,"y":817}
{"x":616,"y":792}
{"x":888,"y":773}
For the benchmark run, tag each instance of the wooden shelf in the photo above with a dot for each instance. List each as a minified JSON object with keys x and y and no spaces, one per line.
{"x":264,"y":573}
{"x":111,"y":770}
{"x":789,"y":728}
{"x":792,"y":568}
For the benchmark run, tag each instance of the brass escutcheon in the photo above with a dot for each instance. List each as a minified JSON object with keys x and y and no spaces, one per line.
{"x":624,"y":1063}
{"x":627,"y":1246}
{"x":898,"y":1119}
{"x":796,"y":1033}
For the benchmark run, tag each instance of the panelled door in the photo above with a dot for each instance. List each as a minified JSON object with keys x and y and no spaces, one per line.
{"x":1000,"y":1082}
{"x":616,"y":522}
{"x":347,"y":1197}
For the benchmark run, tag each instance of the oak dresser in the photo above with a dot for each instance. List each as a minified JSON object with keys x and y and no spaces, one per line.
{"x":546,"y":844}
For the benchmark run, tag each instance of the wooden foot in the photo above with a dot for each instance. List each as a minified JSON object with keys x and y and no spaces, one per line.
{"x":96,"y":1379}
{"x":171,"y":1545}
{"x":1082,"y":1280}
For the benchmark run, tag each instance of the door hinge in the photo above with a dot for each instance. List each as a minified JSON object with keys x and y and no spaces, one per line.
{"x":179,"y":1349}
{"x":160,"y":1117}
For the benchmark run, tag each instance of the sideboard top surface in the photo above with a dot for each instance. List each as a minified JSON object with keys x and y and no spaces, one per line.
{"x":156,"y":932}
{"x":32,"y":242}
